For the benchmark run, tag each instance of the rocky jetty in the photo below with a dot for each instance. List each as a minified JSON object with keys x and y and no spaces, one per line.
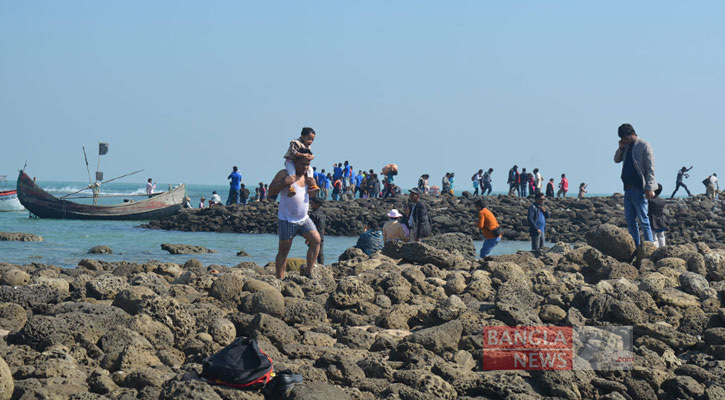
{"x":695,"y":219}
{"x":405,"y":323}
{"x":20,"y":237}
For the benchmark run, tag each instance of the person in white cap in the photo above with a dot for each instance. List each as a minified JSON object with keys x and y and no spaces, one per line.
{"x":393,"y":229}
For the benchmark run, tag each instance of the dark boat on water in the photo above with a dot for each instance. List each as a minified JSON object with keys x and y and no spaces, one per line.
{"x":44,"y":205}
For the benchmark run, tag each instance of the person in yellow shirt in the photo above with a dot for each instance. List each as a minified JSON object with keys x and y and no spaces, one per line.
{"x":489,"y":226}
{"x":393,"y":229}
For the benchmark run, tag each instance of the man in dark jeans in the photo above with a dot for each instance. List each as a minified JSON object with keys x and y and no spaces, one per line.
{"x":537,"y":216}
{"x":318,"y":217}
{"x":638,"y":178}
{"x":523,"y":183}
{"x":681,"y":175}
{"x":419,"y":218}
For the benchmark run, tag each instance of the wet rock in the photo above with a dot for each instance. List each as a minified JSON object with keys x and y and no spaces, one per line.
{"x":612,"y":241}
{"x":20,"y":237}
{"x":100,"y":250}
{"x":185,"y":249}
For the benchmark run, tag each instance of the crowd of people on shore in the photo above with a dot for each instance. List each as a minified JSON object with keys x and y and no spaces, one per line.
{"x":299,"y":187}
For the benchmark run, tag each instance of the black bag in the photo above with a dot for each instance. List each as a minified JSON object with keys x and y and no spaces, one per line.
{"x":241,"y":365}
{"x":706,"y":181}
{"x":497,"y":232}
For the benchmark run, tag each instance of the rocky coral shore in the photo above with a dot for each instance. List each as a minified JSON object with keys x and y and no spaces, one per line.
{"x":405,"y":323}
{"x":695,"y":219}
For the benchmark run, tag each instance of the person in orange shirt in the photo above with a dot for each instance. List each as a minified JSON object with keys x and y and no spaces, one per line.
{"x":489,"y":226}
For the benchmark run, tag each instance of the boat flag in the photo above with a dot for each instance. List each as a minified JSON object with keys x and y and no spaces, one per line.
{"x":99,"y":175}
{"x":102,"y":148}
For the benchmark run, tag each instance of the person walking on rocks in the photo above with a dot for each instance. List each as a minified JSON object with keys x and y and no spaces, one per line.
{"x":537,"y":216}
{"x":523,"y":183}
{"x":657,"y":217}
{"x":292,"y":218}
{"x":234,"y":186}
{"x":550,"y":188}
{"x":476,"y":180}
{"x":638,"y":178}
{"x":300,"y":148}
{"x":681,"y":175}
{"x":489,"y":227}
{"x":423,"y":183}
{"x":538,"y":181}
{"x":712,"y":186}
{"x":563,"y":186}
{"x":513,"y":180}
{"x":419,"y":220}
{"x":486,"y":187}
{"x":582,"y":190}
{"x":318,"y":217}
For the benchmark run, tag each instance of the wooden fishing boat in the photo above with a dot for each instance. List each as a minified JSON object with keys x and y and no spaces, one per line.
{"x":44,"y":205}
{"x":8,"y":197}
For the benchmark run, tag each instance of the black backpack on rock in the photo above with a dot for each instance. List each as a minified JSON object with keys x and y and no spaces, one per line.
{"x":241,"y":365}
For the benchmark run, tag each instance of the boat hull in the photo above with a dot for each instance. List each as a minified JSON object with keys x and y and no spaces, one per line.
{"x":44,"y":205}
{"x":9,"y":201}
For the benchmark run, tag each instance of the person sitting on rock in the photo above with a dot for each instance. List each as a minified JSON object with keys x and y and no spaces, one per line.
{"x":393,"y":229}
{"x":371,"y":240}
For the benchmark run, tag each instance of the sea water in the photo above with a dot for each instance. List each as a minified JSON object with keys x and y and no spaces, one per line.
{"x":66,"y":242}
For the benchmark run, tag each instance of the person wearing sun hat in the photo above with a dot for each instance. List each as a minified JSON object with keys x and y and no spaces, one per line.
{"x":393,"y":229}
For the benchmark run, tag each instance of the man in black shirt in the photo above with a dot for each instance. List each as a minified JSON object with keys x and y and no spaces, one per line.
{"x":681,"y":175}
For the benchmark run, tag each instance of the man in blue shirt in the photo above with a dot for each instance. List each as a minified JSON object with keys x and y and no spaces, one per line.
{"x":336,"y":171}
{"x":234,"y":186}
{"x":358,"y":183}
{"x":638,"y":177}
{"x":537,"y":221}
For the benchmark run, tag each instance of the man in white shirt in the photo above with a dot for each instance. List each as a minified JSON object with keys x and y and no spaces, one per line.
{"x":538,"y":180}
{"x":150,"y":187}
{"x":292,"y":218}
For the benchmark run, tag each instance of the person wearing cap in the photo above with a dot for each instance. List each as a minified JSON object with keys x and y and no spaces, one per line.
{"x":419,"y":219}
{"x":201,"y":202}
{"x":489,"y":227}
{"x":318,"y":217}
{"x":393,"y":229}
{"x":537,"y":216}
{"x":638,"y":178}
{"x":187,"y":202}
{"x":681,"y":175}
{"x":657,"y":217}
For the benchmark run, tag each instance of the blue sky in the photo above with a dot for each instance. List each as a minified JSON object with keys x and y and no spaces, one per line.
{"x":185,"y":90}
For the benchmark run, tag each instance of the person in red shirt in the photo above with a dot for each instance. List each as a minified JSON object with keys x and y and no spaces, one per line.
{"x":563,"y":186}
